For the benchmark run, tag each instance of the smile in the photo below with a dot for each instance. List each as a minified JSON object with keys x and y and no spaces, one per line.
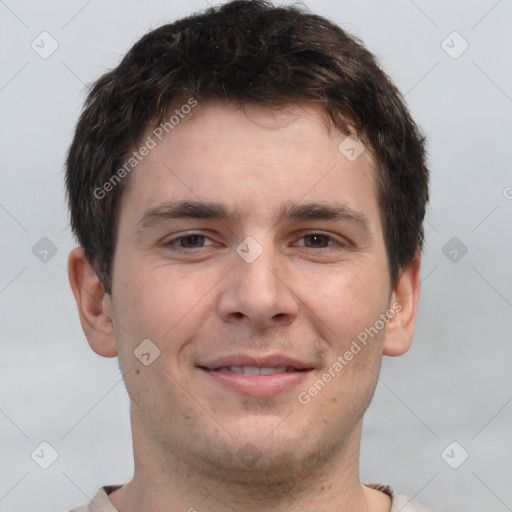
{"x":256,"y":381}
{"x":254,"y":370}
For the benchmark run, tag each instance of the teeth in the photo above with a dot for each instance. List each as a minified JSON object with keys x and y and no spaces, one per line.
{"x":253,"y":370}
{"x":250,"y":370}
{"x":268,"y":371}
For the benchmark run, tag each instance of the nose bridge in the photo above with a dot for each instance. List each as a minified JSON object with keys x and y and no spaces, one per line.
{"x":256,"y":291}
{"x":256,"y":271}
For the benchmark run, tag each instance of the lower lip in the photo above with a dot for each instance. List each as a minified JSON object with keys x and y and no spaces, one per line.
{"x":258,"y":385}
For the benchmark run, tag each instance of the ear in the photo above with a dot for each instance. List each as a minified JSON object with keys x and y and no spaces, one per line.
{"x":405,"y":296}
{"x":94,"y":304}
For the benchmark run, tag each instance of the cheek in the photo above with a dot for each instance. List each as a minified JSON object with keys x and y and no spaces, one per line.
{"x":164,"y":306}
{"x":345,"y":302}
{"x":155,"y":300}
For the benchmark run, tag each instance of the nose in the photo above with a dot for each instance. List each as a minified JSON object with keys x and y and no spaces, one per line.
{"x":258,"y":293}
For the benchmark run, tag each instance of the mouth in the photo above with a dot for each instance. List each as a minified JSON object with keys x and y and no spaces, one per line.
{"x":256,"y":370}
{"x":256,"y":376}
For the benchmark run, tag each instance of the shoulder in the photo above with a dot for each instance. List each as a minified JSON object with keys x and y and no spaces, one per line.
{"x":100,"y":501}
{"x":399,"y":502}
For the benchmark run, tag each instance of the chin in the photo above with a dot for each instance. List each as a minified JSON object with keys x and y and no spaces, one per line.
{"x":262,"y":452}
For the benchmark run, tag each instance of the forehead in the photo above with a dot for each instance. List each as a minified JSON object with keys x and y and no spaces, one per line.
{"x":252,"y":159}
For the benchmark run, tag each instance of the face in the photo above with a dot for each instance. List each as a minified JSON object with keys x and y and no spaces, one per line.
{"x":250,"y":252}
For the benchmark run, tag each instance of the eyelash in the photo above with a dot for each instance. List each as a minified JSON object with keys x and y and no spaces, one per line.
{"x":332,"y":242}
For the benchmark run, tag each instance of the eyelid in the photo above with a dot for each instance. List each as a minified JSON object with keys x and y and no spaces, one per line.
{"x":172,"y":241}
{"x":333,"y":239}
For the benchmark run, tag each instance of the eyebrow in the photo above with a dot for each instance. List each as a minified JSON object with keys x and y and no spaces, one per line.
{"x":217,"y":211}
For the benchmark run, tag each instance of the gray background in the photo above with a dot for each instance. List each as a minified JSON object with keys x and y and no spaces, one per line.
{"x":454,"y":384}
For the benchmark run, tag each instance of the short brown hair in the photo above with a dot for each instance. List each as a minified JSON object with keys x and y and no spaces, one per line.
{"x":246,"y":52}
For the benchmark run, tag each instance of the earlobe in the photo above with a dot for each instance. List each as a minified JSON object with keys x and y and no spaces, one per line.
{"x":404,"y":299}
{"x":94,"y":304}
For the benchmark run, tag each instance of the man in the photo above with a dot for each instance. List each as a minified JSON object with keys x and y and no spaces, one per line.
{"x":248,"y":191}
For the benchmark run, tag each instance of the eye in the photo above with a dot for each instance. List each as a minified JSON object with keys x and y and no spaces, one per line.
{"x":318,"y":241}
{"x":191,"y":241}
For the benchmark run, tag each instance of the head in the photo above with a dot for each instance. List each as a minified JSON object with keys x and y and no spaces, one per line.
{"x":232,"y":125}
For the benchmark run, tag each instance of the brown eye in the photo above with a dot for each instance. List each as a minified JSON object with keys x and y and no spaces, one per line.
{"x":192,"y":241}
{"x":189,"y":241}
{"x":317,"y":241}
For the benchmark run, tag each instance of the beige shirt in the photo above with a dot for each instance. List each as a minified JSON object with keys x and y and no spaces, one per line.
{"x":399,"y":503}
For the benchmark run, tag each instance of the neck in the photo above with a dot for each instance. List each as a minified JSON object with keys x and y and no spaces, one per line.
{"x":165,"y":482}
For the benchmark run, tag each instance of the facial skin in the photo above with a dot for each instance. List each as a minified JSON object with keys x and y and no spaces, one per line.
{"x":197,"y":299}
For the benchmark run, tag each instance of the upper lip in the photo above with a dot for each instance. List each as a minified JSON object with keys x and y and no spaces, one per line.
{"x":255,"y":361}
